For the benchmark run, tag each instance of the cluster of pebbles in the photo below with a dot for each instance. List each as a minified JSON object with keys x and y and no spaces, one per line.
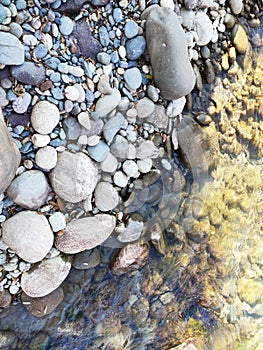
{"x":92,"y":94}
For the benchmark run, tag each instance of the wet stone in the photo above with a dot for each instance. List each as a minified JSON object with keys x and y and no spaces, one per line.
{"x":87,"y":259}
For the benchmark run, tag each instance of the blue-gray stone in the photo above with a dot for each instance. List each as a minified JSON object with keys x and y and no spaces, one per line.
{"x":3,"y":13}
{"x":6,"y":2}
{"x":131,"y":29}
{"x":113,"y":125}
{"x":11,"y":96}
{"x":133,"y":78}
{"x":52,"y":62}
{"x":117,"y":15}
{"x":40,"y":51}
{"x":21,"y":5}
{"x":114,"y":57}
{"x":11,"y":49}
{"x":103,"y":58}
{"x":90,"y":96}
{"x":135,"y":47}
{"x":124,"y":64}
{"x":29,"y":73}
{"x":66,"y":25}
{"x":57,"y":93}
{"x":55,"y":77}
{"x":104,"y":36}
{"x":16,"y":29}
{"x":99,"y":152}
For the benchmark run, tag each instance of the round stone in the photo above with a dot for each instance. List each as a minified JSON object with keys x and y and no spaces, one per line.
{"x":145,"y":107}
{"x":106,"y":196}
{"x":57,"y":221}
{"x":133,"y":78}
{"x":75,"y":176}
{"x":66,"y":25}
{"x":46,"y":158}
{"x":120,"y":179}
{"x":130,"y":168}
{"x":144,"y":165}
{"x":71,"y":93}
{"x":29,"y":190}
{"x":39,"y":140}
{"x":109,"y":165}
{"x":135,"y":47}
{"x":29,"y":235}
{"x":45,"y":116}
{"x":131,"y":29}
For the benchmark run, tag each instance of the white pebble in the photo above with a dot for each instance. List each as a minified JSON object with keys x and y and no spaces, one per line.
{"x":57,"y":221}
{"x":71,"y":93}
{"x":13,"y":289}
{"x":120,"y":179}
{"x":40,"y":140}
{"x":46,"y":158}
{"x":131,"y":168}
{"x":144,"y":165}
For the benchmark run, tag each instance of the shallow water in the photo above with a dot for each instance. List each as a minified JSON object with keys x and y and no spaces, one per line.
{"x":208,"y":288}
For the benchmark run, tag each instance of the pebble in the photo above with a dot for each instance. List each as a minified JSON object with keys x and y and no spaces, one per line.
{"x":84,"y":120}
{"x":109,"y":164}
{"x":120,"y":148}
{"x":11,"y":50}
{"x":240,"y":39}
{"x":87,"y":259}
{"x":104,"y":36}
{"x":104,"y":58}
{"x":44,"y":117}
{"x":106,"y":196}
{"x":132,"y":231}
{"x":16,"y":29}
{"x":131,"y":168}
{"x":144,"y":165}
{"x":144,"y":107}
{"x":43,"y":306}
{"x":40,"y":51}
{"x":104,"y":85}
{"x":71,"y":93}
{"x":19,"y":232}
{"x":39,"y":140}
{"x":152,"y":93}
{"x":203,"y":27}
{"x":236,"y":6}
{"x":29,"y":190}
{"x":108,"y":103}
{"x":113,"y":126}
{"x":133,"y":78}
{"x":66,"y":25}
{"x":74,"y":177}
{"x":57,"y":221}
{"x":29,"y":73}
{"x":146,"y":149}
{"x":99,"y":152}
{"x":46,"y":277}
{"x":30,"y":40}
{"x":85,"y":233}
{"x":167,"y":3}
{"x":135,"y":47}
{"x":120,"y":179}
{"x":21,"y":104}
{"x":46,"y":158}
{"x":131,"y":29}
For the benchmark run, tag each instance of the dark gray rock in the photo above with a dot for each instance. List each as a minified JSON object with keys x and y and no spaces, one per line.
{"x":167,"y":47}
{"x":72,"y":6}
{"x":85,"y":44}
{"x":29,"y":73}
{"x":9,"y":156}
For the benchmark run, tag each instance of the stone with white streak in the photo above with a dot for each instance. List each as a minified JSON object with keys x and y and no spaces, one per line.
{"x":85,"y":233}
{"x":29,"y":235}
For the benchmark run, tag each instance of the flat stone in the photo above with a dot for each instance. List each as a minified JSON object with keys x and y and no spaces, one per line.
{"x":57,"y":221}
{"x":29,"y":73}
{"x":106,"y":196}
{"x":133,"y":78}
{"x":113,"y":126}
{"x":29,"y":235}
{"x":11,"y":49}
{"x":130,"y":258}
{"x":66,"y":25}
{"x":43,"y":306}
{"x":9,"y":156}
{"x":86,"y":233}
{"x":167,"y":47}
{"x":45,"y":116}
{"x":135,"y":47}
{"x":236,"y":6}
{"x":87,"y":259}
{"x":46,"y":158}
{"x":144,"y":107}
{"x":39,"y":140}
{"x":146,"y":149}
{"x":45,"y":277}
{"x":85,"y":43}
{"x":99,"y":152}
{"x":203,"y":27}
{"x":131,"y":29}
{"x":75,"y":176}
{"x":108,"y":103}
{"x":132,"y":231}
{"x":145,"y":165}
{"x":120,"y":148}
{"x":29,"y":190}
{"x":110,"y":163}
{"x":239,"y":38}
{"x":21,"y":104}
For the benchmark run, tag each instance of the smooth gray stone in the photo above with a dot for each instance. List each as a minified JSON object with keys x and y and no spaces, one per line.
{"x":29,"y":73}
{"x":9,"y":156}
{"x":11,"y":50}
{"x":113,"y":125}
{"x":167,"y":47}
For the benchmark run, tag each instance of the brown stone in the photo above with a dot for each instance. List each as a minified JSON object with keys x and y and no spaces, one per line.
{"x":46,"y":85}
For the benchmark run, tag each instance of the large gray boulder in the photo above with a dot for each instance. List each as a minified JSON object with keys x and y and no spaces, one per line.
{"x":9,"y":156}
{"x":167,"y":48}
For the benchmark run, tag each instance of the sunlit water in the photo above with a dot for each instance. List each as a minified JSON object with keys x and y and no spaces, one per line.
{"x":207,"y":289}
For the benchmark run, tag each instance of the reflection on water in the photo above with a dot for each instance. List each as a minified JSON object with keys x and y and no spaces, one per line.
{"x":208,"y":288}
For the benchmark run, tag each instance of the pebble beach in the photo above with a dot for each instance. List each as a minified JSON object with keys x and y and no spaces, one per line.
{"x":115,"y":116}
